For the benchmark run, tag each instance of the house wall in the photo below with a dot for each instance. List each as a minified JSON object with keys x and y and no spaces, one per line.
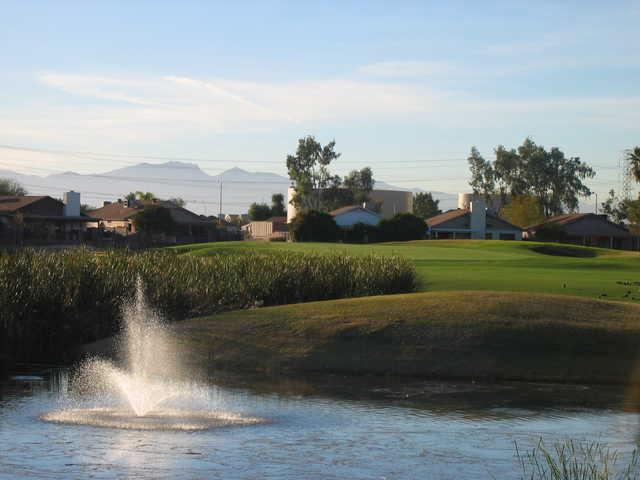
{"x":349,"y":219}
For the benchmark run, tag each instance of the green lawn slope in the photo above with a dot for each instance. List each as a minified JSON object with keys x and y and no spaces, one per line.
{"x":476,"y":335}
{"x":487,"y":265}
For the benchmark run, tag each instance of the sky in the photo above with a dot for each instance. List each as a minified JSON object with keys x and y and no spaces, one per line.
{"x":403,"y":87}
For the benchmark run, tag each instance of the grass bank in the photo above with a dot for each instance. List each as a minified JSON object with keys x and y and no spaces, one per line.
{"x":479,"y":335}
{"x":447,"y":265}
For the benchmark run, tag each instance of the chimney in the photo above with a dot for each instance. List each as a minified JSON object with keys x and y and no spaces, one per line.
{"x":478,"y":219}
{"x":364,"y":205}
{"x":71,"y":202}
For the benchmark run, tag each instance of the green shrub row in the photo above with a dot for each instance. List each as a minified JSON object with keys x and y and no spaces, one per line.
{"x":53,"y":301}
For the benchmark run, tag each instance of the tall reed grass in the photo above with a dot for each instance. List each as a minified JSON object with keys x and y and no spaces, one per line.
{"x":570,"y":460}
{"x":53,"y":301}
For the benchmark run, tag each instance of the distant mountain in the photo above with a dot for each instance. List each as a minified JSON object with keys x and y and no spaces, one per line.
{"x":200,"y":190}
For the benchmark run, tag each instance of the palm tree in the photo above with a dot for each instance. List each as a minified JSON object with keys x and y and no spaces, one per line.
{"x":633,"y":157}
{"x":145,"y":195}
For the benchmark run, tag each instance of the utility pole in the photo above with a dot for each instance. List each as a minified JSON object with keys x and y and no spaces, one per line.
{"x":596,"y":203}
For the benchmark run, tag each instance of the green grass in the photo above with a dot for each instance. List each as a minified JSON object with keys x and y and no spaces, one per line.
{"x":479,"y":335}
{"x":485,"y":265}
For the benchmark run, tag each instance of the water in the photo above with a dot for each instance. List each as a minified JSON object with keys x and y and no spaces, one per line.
{"x":149,"y":417}
{"x":317,"y":429}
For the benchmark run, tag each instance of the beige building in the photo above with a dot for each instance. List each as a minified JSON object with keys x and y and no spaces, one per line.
{"x":391,"y":202}
{"x":274,"y":228}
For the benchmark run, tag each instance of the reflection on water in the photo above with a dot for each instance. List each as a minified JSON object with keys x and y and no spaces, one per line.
{"x":326,"y":427}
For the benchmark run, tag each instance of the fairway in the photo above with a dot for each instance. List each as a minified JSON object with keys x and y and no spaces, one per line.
{"x":484,"y":265}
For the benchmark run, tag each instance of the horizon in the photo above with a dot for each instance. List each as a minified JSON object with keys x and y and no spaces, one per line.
{"x":405,"y":90}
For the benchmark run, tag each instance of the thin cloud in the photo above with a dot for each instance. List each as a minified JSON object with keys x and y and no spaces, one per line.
{"x":407,"y":69}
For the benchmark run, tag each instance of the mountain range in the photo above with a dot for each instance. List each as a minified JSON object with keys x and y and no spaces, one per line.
{"x":188,"y":181}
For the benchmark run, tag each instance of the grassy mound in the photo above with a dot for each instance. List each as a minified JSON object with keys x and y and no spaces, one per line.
{"x":443,"y":335}
{"x":447,"y":265}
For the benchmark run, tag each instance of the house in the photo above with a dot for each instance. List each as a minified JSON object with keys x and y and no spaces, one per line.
{"x":347,"y":217}
{"x":42,"y":219}
{"x":585,"y":229}
{"x":474,"y":222}
{"x":390,"y":202}
{"x":274,"y":228}
{"x":118,"y":218}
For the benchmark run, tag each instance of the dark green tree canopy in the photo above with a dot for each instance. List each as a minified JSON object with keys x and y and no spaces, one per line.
{"x":556,"y":181}
{"x":277,"y":205}
{"x":314,"y":226}
{"x":359,"y":183}
{"x":12,"y":188}
{"x":259,"y":212}
{"x":155,"y":219}
{"x":425,"y":206}
{"x":403,"y":226}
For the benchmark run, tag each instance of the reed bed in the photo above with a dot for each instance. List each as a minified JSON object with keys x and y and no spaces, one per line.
{"x":51,"y":302}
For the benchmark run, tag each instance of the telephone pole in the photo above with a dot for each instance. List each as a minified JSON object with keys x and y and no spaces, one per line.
{"x":220,"y":205}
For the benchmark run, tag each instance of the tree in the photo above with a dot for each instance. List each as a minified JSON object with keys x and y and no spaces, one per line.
{"x":403,"y":226}
{"x":86,"y":208}
{"x":177,"y":201}
{"x":554,"y":180}
{"x":359,"y":183}
{"x":145,"y":196}
{"x":482,"y":181}
{"x":633,"y":156}
{"x":424,"y":205}
{"x":259,"y":211}
{"x":11,"y":188}
{"x":130,"y":198}
{"x":614,"y":208}
{"x":277,"y":205}
{"x":309,"y":171}
{"x":314,"y":226}
{"x":523,"y":211}
{"x":154,"y":219}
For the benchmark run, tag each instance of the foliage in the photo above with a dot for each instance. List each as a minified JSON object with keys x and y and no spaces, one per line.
{"x":308,"y":168}
{"x":86,"y":208}
{"x":633,"y":156}
{"x":144,"y":196}
{"x":403,"y":226}
{"x":154,"y":219}
{"x":556,"y":181}
{"x":425,"y":206}
{"x":314,"y":226}
{"x":51,"y":302}
{"x":551,"y":233}
{"x":177,"y":201}
{"x":359,"y":183}
{"x":360,"y":233}
{"x":523,"y":211}
{"x":277,"y":205}
{"x":259,"y":211}
{"x":12,"y":188}
{"x":571,"y":460}
{"x":614,"y":208}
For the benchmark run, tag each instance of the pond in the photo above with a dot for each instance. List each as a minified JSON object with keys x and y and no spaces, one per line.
{"x":320,"y":427}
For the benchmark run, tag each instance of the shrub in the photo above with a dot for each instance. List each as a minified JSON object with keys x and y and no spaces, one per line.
{"x":360,"y":233}
{"x":403,"y":226}
{"x":550,"y":233}
{"x":314,"y":226}
{"x":51,"y":302}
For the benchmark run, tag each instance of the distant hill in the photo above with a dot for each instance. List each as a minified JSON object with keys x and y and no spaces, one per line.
{"x":200,"y":190}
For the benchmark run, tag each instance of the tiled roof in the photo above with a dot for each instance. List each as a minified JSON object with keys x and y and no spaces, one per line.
{"x":570,"y":218}
{"x":13,"y":203}
{"x":446,"y":216}
{"x":349,"y":208}
{"x":114,"y":211}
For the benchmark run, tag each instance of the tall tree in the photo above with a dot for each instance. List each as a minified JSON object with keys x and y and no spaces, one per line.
{"x":177,"y":201}
{"x":259,"y":211}
{"x":145,"y":196}
{"x":523,"y":211}
{"x":309,"y":171}
{"x":482,"y":175}
{"x":633,"y":156}
{"x":555,"y":181}
{"x":425,"y":206}
{"x":154,"y":219}
{"x":614,"y":208}
{"x":360,"y":183}
{"x":277,"y":205}
{"x":11,"y":188}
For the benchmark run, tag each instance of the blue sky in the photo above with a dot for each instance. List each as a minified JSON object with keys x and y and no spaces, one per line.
{"x":404,"y":87}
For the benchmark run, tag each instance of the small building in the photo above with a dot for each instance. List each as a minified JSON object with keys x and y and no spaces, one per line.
{"x":347,"y":217}
{"x":474,"y":223}
{"x":274,"y":228}
{"x":42,"y":219}
{"x":588,"y":229}
{"x":118,"y":218}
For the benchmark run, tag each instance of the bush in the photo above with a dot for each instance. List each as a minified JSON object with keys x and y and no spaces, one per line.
{"x":403,"y":226}
{"x":550,"y":233}
{"x":314,"y":226}
{"x":52,"y":302}
{"x":360,"y":233}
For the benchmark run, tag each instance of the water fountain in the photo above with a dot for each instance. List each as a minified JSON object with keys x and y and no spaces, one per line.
{"x":144,"y":394}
